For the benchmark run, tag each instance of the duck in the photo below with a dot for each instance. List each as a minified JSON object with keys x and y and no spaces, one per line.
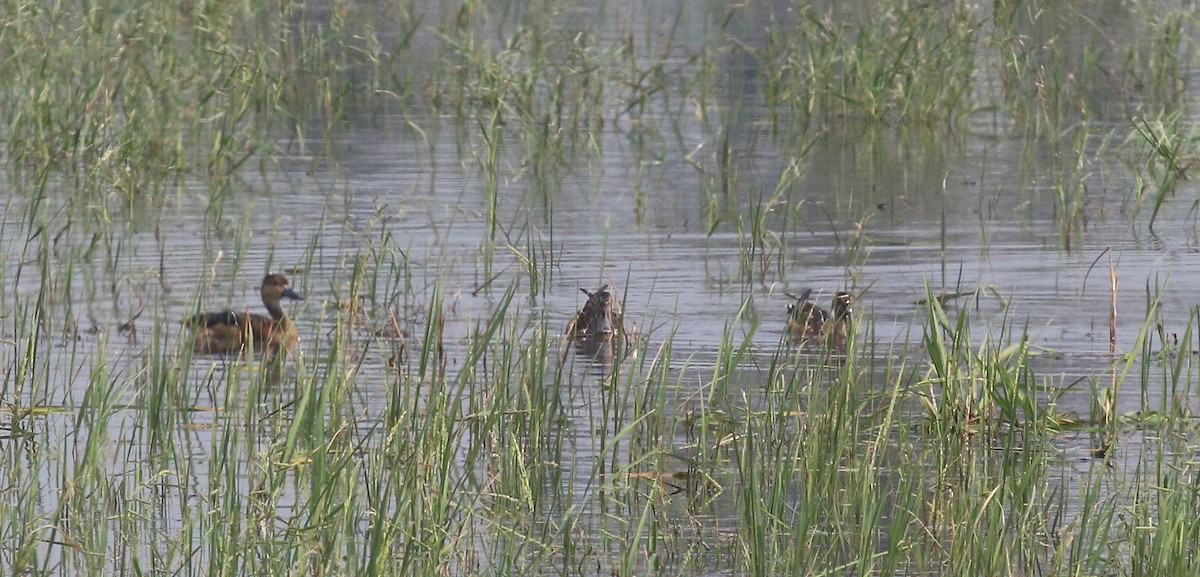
{"x":600,"y":318}
{"x":809,"y":323}
{"x":232,"y":332}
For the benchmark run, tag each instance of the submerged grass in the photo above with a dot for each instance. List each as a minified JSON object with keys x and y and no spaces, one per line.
{"x":430,"y":428}
{"x":502,"y":452}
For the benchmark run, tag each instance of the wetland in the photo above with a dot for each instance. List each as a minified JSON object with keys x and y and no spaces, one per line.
{"x":1002,"y":188}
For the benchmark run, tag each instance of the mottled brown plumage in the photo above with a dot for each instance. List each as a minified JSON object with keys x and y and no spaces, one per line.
{"x":231,"y":332}
{"x":811,"y":324}
{"x":599,"y":318}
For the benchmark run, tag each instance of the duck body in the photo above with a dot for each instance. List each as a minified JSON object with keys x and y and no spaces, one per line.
{"x":811,"y":324}
{"x":231,"y":332}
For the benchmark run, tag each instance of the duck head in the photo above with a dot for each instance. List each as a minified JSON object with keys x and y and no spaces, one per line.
{"x":600,"y":315}
{"x":275,"y":288}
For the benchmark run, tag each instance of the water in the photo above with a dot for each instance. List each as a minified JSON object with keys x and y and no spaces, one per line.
{"x":888,"y":213}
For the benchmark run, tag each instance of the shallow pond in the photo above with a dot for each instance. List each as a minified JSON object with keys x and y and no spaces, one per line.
{"x":441,"y":263}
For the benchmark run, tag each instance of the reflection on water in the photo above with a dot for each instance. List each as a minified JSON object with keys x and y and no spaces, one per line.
{"x":598,"y":351}
{"x":683,"y":215}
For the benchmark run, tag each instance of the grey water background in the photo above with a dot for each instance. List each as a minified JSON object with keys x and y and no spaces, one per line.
{"x":889,"y":213}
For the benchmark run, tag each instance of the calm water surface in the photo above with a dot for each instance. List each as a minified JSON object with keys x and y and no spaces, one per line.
{"x":974,"y":212}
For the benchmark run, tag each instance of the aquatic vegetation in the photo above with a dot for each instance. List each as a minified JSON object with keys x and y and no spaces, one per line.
{"x":441,"y":176}
{"x":1166,"y":154}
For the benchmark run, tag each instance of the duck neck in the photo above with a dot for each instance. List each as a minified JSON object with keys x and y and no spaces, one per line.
{"x":276,"y":311}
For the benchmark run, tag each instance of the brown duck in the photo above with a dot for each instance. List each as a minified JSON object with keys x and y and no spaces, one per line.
{"x":811,"y":324}
{"x":231,"y":332}
{"x":600,"y":317}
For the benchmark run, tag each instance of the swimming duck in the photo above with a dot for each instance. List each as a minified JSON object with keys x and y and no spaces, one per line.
{"x":809,"y":323}
{"x":228,"y":331}
{"x":599,"y":318}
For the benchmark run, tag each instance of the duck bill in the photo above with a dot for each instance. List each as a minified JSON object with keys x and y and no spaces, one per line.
{"x":604,"y":326}
{"x":291,"y":294}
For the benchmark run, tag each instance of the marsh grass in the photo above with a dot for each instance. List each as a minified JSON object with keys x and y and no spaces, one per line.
{"x":910,"y":62}
{"x":1165,"y":151}
{"x":490,"y":454}
{"x":406,"y":436}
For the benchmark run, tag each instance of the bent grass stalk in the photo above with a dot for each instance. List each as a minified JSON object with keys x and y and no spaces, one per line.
{"x":490,"y":440}
{"x":491,"y":454}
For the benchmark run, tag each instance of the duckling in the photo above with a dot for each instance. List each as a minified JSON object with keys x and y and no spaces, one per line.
{"x":809,"y":323}
{"x":599,"y":318}
{"x":228,"y":331}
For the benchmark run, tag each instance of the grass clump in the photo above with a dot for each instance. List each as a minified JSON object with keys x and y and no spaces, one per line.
{"x":912,"y":62}
{"x":435,"y":420}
